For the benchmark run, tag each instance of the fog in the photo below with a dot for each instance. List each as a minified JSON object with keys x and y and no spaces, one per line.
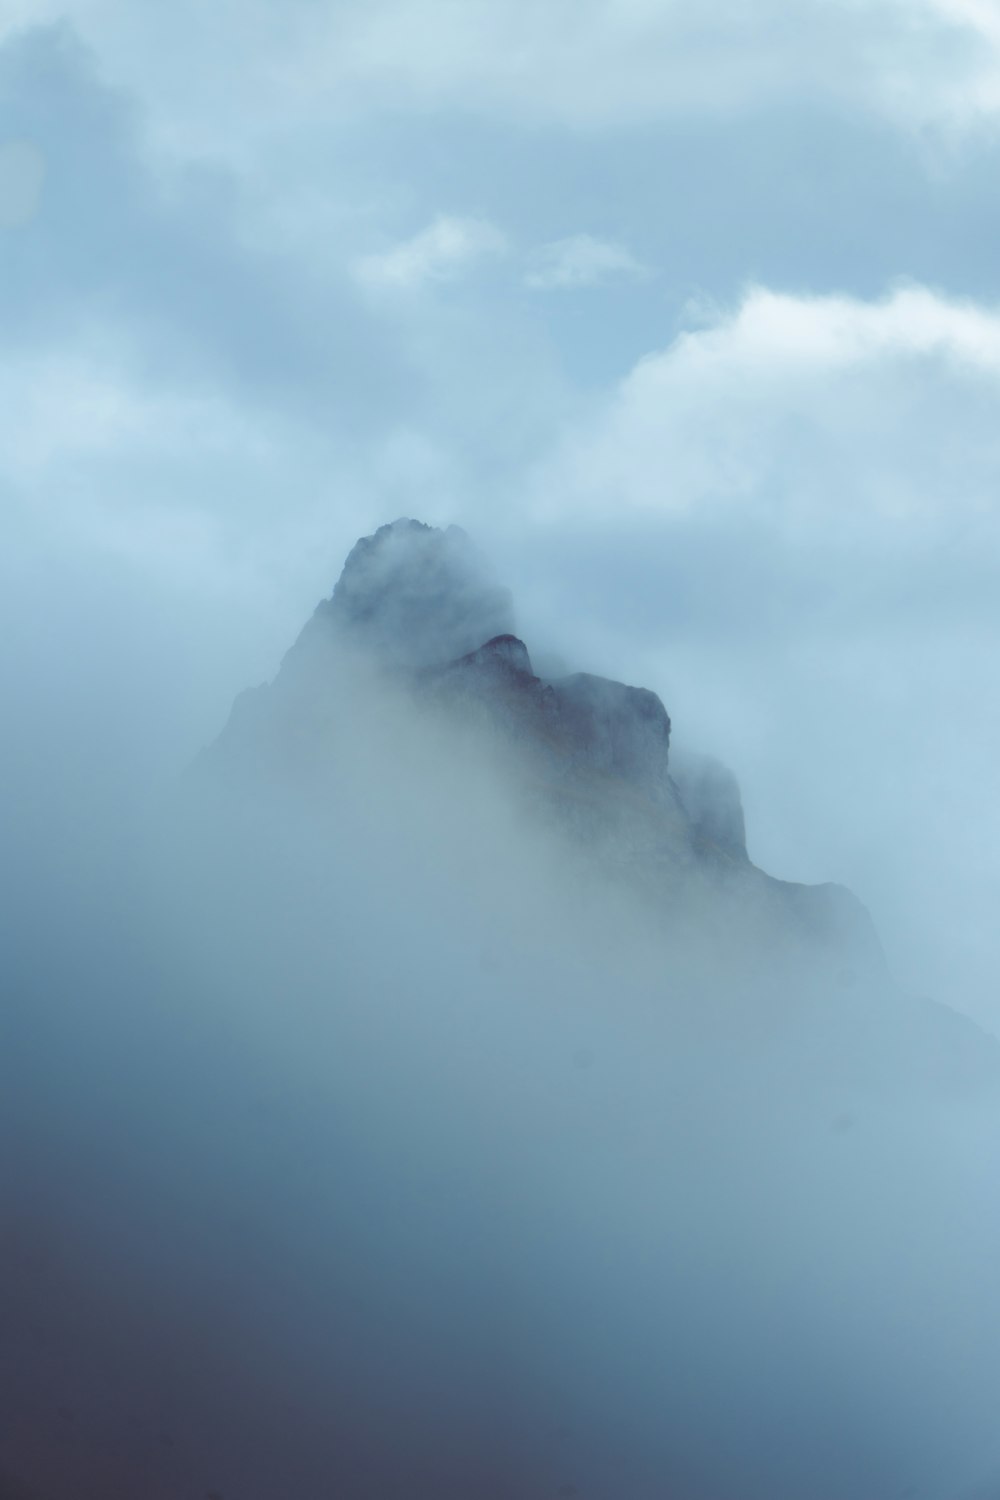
{"x":364,"y":1136}
{"x":393,"y":1100}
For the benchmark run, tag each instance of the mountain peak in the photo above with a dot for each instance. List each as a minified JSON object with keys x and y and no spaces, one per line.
{"x":418,"y":596}
{"x":420,"y":602}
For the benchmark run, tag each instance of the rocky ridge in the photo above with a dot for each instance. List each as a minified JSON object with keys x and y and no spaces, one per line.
{"x":418,"y":606}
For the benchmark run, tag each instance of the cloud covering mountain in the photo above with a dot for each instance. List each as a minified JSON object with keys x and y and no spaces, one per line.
{"x":690,"y":321}
{"x":431,"y":1095}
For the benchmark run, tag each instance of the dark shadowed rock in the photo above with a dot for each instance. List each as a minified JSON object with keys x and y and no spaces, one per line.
{"x":579,"y":723}
{"x":606,"y":726}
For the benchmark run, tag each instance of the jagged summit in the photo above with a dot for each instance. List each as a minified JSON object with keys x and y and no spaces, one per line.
{"x":417,"y":606}
{"x":421,"y":598}
{"x":418,"y":596}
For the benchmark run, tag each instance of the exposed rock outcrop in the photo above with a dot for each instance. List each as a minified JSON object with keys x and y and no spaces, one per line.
{"x":622,"y":731}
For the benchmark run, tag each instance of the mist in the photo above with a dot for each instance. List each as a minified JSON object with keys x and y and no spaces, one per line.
{"x":365,"y":1135}
{"x":546,"y":1044}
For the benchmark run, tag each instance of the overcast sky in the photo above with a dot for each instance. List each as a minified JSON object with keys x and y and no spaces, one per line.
{"x":689,"y":314}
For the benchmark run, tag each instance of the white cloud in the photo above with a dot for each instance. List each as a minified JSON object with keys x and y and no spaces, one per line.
{"x":796,"y":510}
{"x":581,"y":261}
{"x":441,"y":252}
{"x":813,"y":411}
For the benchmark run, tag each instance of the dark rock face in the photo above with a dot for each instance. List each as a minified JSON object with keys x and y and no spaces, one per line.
{"x":504,"y":653}
{"x":589,"y":723}
{"x":606,"y":726}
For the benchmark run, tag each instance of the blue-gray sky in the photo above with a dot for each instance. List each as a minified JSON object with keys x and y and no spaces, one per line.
{"x":690,"y":315}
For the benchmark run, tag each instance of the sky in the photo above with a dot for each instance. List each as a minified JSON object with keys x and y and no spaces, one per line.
{"x":384,"y":1131}
{"x":690,"y":316}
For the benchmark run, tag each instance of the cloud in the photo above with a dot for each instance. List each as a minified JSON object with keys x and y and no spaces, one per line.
{"x":215,"y":375}
{"x":821,"y":411}
{"x":443,"y":251}
{"x":602,"y":65}
{"x":610,"y":65}
{"x":137,"y":475}
{"x":803,"y":497}
{"x":582,"y":260}
{"x":194,"y":403}
{"x":62,"y":408}
{"x":160,"y":361}
{"x":975,"y":95}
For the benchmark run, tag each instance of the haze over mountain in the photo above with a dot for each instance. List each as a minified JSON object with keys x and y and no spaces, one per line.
{"x":417,"y":614}
{"x":446,"y":1084}
{"x":430,"y":1098}
{"x":415,"y":605}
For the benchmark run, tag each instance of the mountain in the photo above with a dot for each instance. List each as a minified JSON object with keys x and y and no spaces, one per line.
{"x":432,"y":1099}
{"x":417,"y":606}
{"x":417,"y":621}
